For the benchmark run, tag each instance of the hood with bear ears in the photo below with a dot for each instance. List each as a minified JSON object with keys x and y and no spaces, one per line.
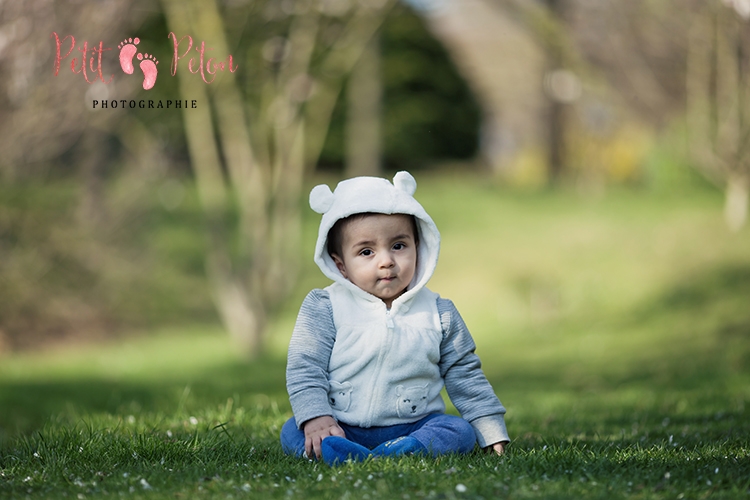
{"x":375,"y":195}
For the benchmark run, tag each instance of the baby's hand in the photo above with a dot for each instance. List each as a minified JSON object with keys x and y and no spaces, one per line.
{"x":498,"y":448}
{"x":316,"y":430}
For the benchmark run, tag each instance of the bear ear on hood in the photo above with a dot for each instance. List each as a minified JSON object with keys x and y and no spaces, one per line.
{"x":404,"y":181}
{"x":321,"y":198}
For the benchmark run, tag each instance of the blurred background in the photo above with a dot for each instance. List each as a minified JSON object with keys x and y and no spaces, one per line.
{"x":586,"y":160}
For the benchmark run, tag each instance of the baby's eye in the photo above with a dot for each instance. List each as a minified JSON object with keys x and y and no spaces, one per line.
{"x":399,"y":246}
{"x":366,"y":252}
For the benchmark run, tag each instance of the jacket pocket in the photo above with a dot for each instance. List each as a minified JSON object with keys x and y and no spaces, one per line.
{"x":340,"y":395}
{"x":412,"y":401}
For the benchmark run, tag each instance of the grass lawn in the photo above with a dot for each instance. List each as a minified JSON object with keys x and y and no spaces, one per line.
{"x":615,"y":330}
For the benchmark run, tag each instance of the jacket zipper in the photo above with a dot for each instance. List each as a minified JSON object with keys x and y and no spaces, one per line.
{"x":384,"y":348}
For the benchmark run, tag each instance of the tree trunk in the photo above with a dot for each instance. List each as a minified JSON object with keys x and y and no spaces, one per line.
{"x":91,"y":211}
{"x":364,"y":95}
{"x":236,"y":293}
{"x":242,"y":314}
{"x":735,"y":206}
{"x":717,"y":106}
{"x":556,"y":108}
{"x":556,"y":125}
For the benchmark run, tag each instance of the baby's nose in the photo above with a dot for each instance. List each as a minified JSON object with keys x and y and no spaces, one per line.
{"x":387,"y":260}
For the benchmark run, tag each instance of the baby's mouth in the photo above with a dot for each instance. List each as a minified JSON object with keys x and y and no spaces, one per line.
{"x":388,"y":278}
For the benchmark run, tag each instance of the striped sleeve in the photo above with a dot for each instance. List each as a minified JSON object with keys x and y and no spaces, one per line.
{"x":307,"y":360}
{"x":468,"y":388}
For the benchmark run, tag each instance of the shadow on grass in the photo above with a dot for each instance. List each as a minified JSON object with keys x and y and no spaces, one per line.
{"x":703,"y":289}
{"x":713,"y":306}
{"x":717,"y":299}
{"x":26,"y":406}
{"x":686,"y":372}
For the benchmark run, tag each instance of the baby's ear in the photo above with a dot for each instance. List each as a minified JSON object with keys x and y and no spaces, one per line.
{"x":339,"y":264}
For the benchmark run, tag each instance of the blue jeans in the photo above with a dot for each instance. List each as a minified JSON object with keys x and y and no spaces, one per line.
{"x":438,"y":433}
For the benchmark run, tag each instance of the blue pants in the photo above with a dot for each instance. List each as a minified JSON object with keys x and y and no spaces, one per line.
{"x":438,"y":433}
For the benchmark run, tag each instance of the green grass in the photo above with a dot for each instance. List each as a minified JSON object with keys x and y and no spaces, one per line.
{"x":616,"y":331}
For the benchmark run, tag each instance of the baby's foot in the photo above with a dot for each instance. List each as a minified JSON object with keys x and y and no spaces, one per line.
{"x":127,"y":51}
{"x":405,"y":445}
{"x":148,"y":66}
{"x":337,"y":450}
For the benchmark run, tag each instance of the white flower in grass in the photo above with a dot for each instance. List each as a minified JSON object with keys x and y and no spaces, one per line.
{"x":145,"y":485}
{"x":461,"y":488}
{"x":193,"y":420}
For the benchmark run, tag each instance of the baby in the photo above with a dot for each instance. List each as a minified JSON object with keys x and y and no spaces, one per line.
{"x":370,"y":353}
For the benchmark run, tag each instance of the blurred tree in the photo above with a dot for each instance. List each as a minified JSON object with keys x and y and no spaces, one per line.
{"x":638,"y":48}
{"x":602,"y":57}
{"x":719,"y":100}
{"x":266,"y":139}
{"x":556,"y":100}
{"x":55,"y":230}
{"x":364,"y":96}
{"x":43,"y":121}
{"x":565,"y":72}
{"x":428,"y":111}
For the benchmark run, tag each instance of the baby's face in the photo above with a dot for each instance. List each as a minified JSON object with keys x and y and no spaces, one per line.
{"x":379,"y":254}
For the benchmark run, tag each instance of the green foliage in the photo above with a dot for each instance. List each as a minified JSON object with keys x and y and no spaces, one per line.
{"x":138,"y":265}
{"x":429,"y":113}
{"x":614,"y":330}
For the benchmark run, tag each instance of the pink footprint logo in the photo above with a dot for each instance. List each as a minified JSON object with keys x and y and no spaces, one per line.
{"x":148,"y":66}
{"x":127,"y":51}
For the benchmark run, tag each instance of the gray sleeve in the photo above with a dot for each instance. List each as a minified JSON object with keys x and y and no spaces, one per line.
{"x":468,"y":388}
{"x":307,"y":361}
